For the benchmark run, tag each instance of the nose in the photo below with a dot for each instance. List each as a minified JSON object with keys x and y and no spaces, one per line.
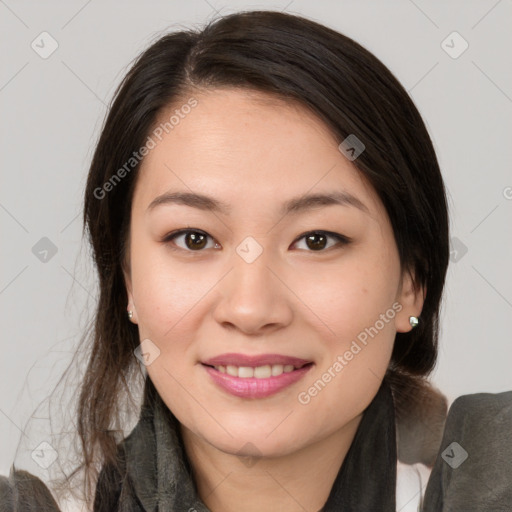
{"x":254,"y":297}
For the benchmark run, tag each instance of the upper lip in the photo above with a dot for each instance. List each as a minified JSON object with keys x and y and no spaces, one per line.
{"x":254,"y":360}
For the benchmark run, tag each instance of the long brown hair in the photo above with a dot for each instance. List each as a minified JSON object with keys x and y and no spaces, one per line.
{"x":345,"y":86}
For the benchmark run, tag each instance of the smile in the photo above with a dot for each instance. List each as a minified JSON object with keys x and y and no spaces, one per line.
{"x":254,"y":381}
{"x":259,"y":372}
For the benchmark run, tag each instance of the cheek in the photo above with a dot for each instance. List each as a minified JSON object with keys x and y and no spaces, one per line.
{"x":164,"y":291}
{"x":350,"y":295}
{"x":350,"y":370}
{"x":168,"y":301}
{"x":356,"y":302}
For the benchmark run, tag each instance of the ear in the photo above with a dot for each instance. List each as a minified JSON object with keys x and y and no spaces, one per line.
{"x":129,"y":293}
{"x":411,"y":296}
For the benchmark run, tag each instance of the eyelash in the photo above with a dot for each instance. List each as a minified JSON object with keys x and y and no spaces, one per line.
{"x":342,"y":239}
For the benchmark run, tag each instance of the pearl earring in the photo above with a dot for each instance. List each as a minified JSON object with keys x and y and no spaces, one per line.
{"x":414,"y":321}
{"x":130,"y":314}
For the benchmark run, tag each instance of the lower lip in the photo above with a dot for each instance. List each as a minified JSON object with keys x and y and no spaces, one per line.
{"x":256,"y":388}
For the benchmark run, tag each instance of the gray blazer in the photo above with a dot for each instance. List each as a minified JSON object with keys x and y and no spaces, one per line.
{"x":473,"y":470}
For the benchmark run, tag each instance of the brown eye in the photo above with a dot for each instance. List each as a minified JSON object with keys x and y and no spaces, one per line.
{"x":317,"y":240}
{"x":193,"y":240}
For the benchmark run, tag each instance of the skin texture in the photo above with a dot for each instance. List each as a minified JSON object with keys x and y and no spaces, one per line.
{"x":254,"y":152}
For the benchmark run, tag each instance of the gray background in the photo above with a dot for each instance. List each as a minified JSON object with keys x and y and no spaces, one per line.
{"x":53,"y":109}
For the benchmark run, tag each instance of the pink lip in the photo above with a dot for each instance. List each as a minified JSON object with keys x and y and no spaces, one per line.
{"x":253,"y":387}
{"x":254,"y":361}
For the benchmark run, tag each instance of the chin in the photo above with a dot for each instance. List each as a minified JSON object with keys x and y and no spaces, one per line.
{"x":257,"y":446}
{"x":247,"y":437}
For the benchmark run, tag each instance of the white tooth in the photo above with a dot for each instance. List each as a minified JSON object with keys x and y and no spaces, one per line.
{"x":245,"y":372}
{"x":288,"y":368}
{"x":222,"y":369}
{"x":277,"y":369}
{"x":263,"y":372}
{"x":232,"y":370}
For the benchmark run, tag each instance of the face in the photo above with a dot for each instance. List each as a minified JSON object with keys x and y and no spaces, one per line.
{"x":270,"y":317}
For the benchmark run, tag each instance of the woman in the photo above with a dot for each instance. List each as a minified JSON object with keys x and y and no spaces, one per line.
{"x":270,"y":229}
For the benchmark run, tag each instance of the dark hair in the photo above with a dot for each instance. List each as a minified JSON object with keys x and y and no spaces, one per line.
{"x":342,"y":83}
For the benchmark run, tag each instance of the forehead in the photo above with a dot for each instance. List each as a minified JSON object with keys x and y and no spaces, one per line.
{"x":246,"y":147}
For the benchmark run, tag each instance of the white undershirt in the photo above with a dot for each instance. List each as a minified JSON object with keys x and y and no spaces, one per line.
{"x":411,"y":482}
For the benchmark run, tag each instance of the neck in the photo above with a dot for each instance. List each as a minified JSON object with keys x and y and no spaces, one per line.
{"x":299,"y":481}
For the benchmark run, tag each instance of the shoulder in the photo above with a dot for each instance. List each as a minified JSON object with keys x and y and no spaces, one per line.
{"x":474,"y":463}
{"x":478,"y":430}
{"x":22,"y":489}
{"x":467,"y":405}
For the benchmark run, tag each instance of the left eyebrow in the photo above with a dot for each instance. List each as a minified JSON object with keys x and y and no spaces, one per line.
{"x":292,"y":206}
{"x":304,"y":203}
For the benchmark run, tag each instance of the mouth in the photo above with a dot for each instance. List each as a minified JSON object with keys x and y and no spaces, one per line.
{"x":257,"y":372}
{"x":255,"y":376}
